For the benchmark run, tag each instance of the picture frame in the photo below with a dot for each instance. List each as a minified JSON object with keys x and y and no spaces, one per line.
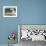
{"x":39,"y":28}
{"x":9,"y":11}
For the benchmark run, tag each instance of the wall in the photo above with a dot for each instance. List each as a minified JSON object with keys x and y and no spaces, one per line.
{"x":29,"y":12}
{"x":7,"y":25}
{"x":33,"y":11}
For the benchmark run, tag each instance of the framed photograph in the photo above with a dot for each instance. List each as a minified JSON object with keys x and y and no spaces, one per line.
{"x":9,"y":11}
{"x":31,"y":32}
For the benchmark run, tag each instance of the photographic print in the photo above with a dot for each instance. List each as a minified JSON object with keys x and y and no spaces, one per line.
{"x":32,"y":32}
{"x":9,"y":11}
